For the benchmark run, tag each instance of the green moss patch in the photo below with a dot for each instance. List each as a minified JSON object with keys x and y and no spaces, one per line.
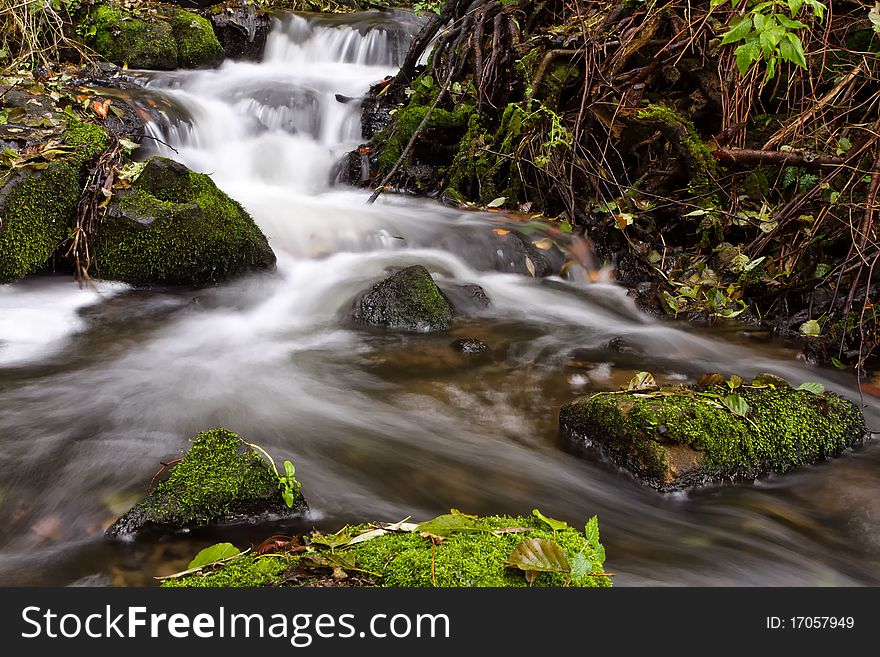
{"x":408,"y":300}
{"x":123,"y":38}
{"x":409,"y":559}
{"x":197,"y":44}
{"x":37,"y":206}
{"x":681,"y":133}
{"x":153,"y":41}
{"x":437,"y":139}
{"x":677,"y":437}
{"x":176,"y":227}
{"x":220,"y":480}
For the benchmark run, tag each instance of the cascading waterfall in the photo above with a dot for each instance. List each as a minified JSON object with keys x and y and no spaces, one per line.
{"x":97,"y":387}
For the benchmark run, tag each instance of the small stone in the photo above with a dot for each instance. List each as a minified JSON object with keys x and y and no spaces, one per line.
{"x":470,"y":346}
{"x":221,"y":480}
{"x":408,"y":300}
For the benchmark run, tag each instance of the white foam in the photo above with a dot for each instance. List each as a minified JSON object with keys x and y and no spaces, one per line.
{"x":38,"y":316}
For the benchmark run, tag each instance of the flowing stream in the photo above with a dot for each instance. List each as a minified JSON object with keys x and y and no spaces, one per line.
{"x":98,"y":386}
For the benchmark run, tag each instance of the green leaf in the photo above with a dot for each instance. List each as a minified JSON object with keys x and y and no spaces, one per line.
{"x":746,"y":55}
{"x":789,"y":23}
{"x":874,"y":16}
{"x":213,"y":554}
{"x":738,"y":32}
{"x":287,"y":494}
{"x":538,"y":555}
{"x":497,"y":203}
{"x":671,"y":301}
{"x":810,"y":328}
{"x":794,"y":6}
{"x":591,"y":531}
{"x":770,"y":38}
{"x":642,"y":381}
{"x":754,"y":263}
{"x":736,"y":405}
{"x":289,"y":470}
{"x":580,"y":566}
{"x":792,"y":50}
{"x":428,"y":82}
{"x":812,"y":386}
{"x":838,"y":364}
{"x":769,"y":380}
{"x":332,"y":541}
{"x":449,"y":523}
{"x":822,"y":270}
{"x":552,"y":523}
{"x":129,"y":145}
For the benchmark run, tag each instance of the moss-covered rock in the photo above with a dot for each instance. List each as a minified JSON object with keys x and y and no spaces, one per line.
{"x":37,"y":206}
{"x":693,"y":153}
{"x":408,"y":300}
{"x":123,"y":38}
{"x":197,"y":45}
{"x":407,"y":559}
{"x":220,"y":480}
{"x":679,"y":437}
{"x":174,"y":226}
{"x":151,"y":41}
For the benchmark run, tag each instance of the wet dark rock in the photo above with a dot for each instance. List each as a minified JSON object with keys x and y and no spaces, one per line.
{"x":619,"y":345}
{"x":467,"y":299}
{"x":221,"y":480}
{"x":242,"y":31}
{"x":408,"y":300}
{"x":375,"y":114}
{"x":512,"y":253}
{"x":353,"y":168}
{"x":470,"y":346}
{"x":288,"y":107}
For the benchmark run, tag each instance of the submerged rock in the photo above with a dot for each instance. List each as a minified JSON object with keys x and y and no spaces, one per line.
{"x":406,"y":558}
{"x":679,"y":437}
{"x":470,"y":346}
{"x":220,"y":480}
{"x":408,"y":300}
{"x":174,"y":226}
{"x":37,"y":206}
{"x":504,"y":251}
{"x":468,"y":299}
{"x":151,"y":42}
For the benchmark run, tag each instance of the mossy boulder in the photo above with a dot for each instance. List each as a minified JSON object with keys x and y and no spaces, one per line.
{"x":123,"y":38}
{"x":174,"y":226}
{"x":38,"y":205}
{"x":408,"y":300}
{"x":221,"y":480}
{"x":674,"y":438}
{"x":149,"y":41}
{"x":408,"y":559}
{"x":197,"y":45}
